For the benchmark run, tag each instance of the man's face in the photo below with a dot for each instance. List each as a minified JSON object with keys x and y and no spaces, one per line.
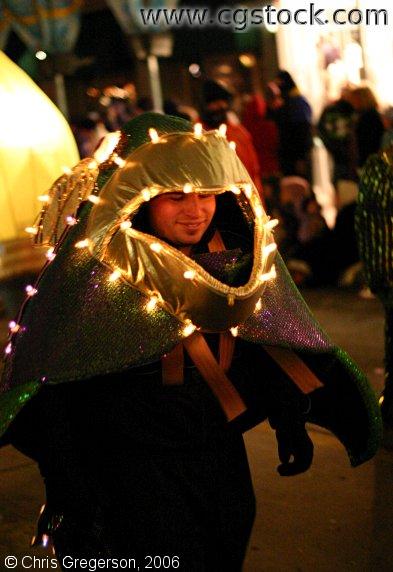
{"x":180,"y":218}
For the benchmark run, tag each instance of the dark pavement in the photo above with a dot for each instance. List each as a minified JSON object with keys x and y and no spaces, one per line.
{"x":332,"y":518}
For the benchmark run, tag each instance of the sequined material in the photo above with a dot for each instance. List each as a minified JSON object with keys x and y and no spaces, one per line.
{"x":285,"y":319}
{"x":374,"y":228}
{"x":374,"y":224}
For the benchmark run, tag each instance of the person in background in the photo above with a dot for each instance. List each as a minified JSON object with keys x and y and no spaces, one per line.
{"x":216,"y":105}
{"x":292,"y":114}
{"x":264,"y":134}
{"x":387,"y":139}
{"x":369,"y":127}
{"x":336,"y":128}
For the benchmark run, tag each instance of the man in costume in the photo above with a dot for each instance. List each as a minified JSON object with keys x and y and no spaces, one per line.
{"x":162,"y":327}
{"x":374,"y":229}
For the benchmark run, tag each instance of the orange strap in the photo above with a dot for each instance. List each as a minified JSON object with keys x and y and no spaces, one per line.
{"x":216,"y":244}
{"x":213,"y":374}
{"x":227,"y":346}
{"x":172,"y":366}
{"x":295,"y":368}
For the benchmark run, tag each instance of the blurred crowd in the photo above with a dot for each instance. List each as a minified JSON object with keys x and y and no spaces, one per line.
{"x":275,"y":139}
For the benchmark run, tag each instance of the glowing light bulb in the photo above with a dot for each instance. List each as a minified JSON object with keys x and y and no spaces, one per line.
{"x":258,"y":305}
{"x":248,"y":190}
{"x":14,"y":327}
{"x":234,"y":331}
{"x":30,"y":290}
{"x":125,"y":224}
{"x":272,"y":223}
{"x":94,"y":199}
{"x":70,"y":220}
{"x":198,"y":130}
{"x":8,"y":349}
{"x":45,"y":540}
{"x":222,"y":130}
{"x":268,"y":275}
{"x":232,"y":145}
{"x":50,"y":255}
{"x":269,"y":248}
{"x":381,"y":399}
{"x":44,"y":198}
{"x":153,"y":135}
{"x":152,"y":303}
{"x":31,"y":230}
{"x":258,"y":211}
{"x":92,"y":165}
{"x":188,"y":188}
{"x":189,"y":274}
{"x":82,"y":243}
{"x":114,"y":276}
{"x":189,"y":329}
{"x":235,"y":190}
{"x":41,"y":55}
{"x":146,"y":195}
{"x":119,"y":161}
{"x":156,"y":247}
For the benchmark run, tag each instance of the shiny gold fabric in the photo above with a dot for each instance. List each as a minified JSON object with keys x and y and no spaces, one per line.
{"x":209,"y":165}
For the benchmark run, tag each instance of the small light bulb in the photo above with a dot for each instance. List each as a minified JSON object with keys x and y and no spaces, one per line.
{"x":45,"y":540}
{"x":272,"y":223}
{"x":156,"y":247}
{"x":188,"y":188}
{"x":30,"y":290}
{"x":189,"y":329}
{"x":269,"y":248}
{"x":14,"y":327}
{"x":82,"y":243}
{"x":198,"y":129}
{"x":125,"y":224}
{"x":152,"y":303}
{"x":153,"y":135}
{"x":50,"y":255}
{"x":258,"y":305}
{"x":234,"y":331}
{"x":114,"y":276}
{"x":119,"y":161}
{"x":41,"y":55}
{"x":232,"y":145}
{"x":70,"y":220}
{"x":258,"y":211}
{"x":8,"y":349}
{"x":92,"y":165}
{"x":31,"y":230}
{"x":189,"y":274}
{"x":94,"y":199}
{"x":146,"y":195}
{"x":222,"y":130}
{"x":268,"y":275}
{"x":67,"y":170}
{"x":44,"y":198}
{"x":248,"y":190}
{"x":235,"y":190}
{"x":381,"y":399}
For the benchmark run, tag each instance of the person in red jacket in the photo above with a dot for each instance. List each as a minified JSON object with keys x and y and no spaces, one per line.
{"x":264,"y":134}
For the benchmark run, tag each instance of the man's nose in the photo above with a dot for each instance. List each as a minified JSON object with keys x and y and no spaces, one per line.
{"x":192,"y":205}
